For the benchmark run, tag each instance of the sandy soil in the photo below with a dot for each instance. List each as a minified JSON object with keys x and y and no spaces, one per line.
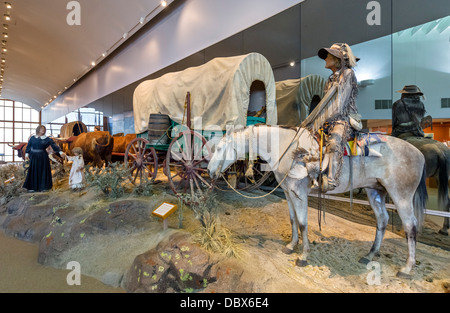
{"x":262,"y":228}
{"x":21,"y":273}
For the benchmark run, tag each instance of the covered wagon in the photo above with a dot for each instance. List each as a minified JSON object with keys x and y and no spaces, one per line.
{"x":72,"y":129}
{"x":297,"y":97}
{"x":200,"y":104}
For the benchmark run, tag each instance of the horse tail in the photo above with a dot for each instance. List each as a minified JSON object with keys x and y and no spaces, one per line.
{"x":420,"y":200}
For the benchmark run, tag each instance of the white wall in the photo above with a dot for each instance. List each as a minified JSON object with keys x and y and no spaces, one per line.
{"x":191,"y":27}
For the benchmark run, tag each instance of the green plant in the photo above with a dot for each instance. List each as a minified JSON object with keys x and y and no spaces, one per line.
{"x":145,"y":188}
{"x":109,"y":180}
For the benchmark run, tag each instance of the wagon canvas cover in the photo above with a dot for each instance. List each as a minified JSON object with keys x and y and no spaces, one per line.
{"x":294,"y":98}
{"x":220,"y":93}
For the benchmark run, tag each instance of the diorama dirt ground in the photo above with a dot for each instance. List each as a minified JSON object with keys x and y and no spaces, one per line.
{"x":262,"y":228}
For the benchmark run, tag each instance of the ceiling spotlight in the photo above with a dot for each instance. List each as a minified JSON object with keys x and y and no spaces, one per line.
{"x":125,"y":35}
{"x":163,"y":3}
{"x":104,"y":54}
{"x":5,"y":50}
{"x":4,"y":42}
{"x":142,"y":20}
{"x":93,"y":63}
{"x":5,"y":35}
{"x":8,"y":5}
{"x":5,"y":26}
{"x":292,"y":64}
{"x":3,"y":60}
{"x":7,"y":17}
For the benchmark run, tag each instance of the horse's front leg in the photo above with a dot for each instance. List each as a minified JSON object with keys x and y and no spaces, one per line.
{"x":289,"y":248}
{"x":299,"y":197}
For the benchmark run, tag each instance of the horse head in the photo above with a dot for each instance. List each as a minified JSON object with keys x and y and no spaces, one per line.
{"x":227,"y":152}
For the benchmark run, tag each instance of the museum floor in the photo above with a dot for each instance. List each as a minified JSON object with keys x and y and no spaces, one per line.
{"x":21,"y":273}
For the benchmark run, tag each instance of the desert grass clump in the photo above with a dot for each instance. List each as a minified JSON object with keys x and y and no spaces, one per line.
{"x":12,"y":177}
{"x":212,"y":236}
{"x":110,"y":180}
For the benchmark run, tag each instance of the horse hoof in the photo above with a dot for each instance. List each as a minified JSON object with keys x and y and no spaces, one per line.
{"x":404,"y":275}
{"x":364,"y":261}
{"x":443,"y":232}
{"x":287,"y":251}
{"x":301,"y":263}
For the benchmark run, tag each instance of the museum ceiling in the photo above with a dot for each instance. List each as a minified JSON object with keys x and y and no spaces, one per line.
{"x":47,"y":52}
{"x":43,"y":58}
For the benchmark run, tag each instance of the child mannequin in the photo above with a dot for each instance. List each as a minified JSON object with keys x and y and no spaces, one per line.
{"x":76,"y":178}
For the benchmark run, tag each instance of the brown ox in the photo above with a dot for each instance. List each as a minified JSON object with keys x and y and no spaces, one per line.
{"x":121,"y":142}
{"x":97,"y":146}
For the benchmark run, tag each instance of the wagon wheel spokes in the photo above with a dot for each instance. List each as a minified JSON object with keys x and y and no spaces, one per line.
{"x":186,"y":155}
{"x":141,"y":160}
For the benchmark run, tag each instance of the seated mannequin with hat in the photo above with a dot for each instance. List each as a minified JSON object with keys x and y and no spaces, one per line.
{"x":408,"y":113}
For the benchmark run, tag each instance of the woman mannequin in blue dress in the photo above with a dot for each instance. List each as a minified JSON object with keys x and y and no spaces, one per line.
{"x":39,"y":176}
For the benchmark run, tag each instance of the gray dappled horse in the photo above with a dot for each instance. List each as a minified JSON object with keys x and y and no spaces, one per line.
{"x":437,"y":164}
{"x":398,"y":170}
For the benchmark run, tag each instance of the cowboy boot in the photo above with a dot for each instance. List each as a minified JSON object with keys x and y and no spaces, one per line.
{"x":328,"y":181}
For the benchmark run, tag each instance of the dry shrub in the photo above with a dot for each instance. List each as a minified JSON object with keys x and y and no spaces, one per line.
{"x":16,"y":176}
{"x":212,"y":236}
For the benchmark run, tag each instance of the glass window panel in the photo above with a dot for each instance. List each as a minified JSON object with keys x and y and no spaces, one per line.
{"x":2,"y":134}
{"x":8,"y":103}
{"x":8,"y":158}
{"x":72,"y":117}
{"x":89,"y":119}
{"x":9,"y":124}
{"x":2,"y":124}
{"x":18,"y":125}
{"x":2,"y":113}
{"x":18,"y":104}
{"x":25,"y":135}
{"x":25,"y":115}
{"x":18,"y":134}
{"x":34,"y":116}
{"x":8,"y":113}
{"x":8,"y":134}
{"x":2,"y":148}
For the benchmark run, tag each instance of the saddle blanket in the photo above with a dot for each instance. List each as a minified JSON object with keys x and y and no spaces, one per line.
{"x":363,"y":143}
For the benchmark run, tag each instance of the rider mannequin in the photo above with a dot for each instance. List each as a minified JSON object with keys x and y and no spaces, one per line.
{"x":340,"y":60}
{"x":408,"y":113}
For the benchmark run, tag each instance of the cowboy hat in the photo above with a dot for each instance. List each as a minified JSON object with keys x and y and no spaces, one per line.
{"x":335,"y":49}
{"x":411,"y":89}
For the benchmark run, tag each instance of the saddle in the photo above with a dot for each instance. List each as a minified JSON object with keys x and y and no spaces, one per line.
{"x":360,"y":144}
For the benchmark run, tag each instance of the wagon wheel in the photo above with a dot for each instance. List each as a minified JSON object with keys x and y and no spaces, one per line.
{"x":237,"y":179}
{"x":142,"y":161}
{"x":186,"y":164}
